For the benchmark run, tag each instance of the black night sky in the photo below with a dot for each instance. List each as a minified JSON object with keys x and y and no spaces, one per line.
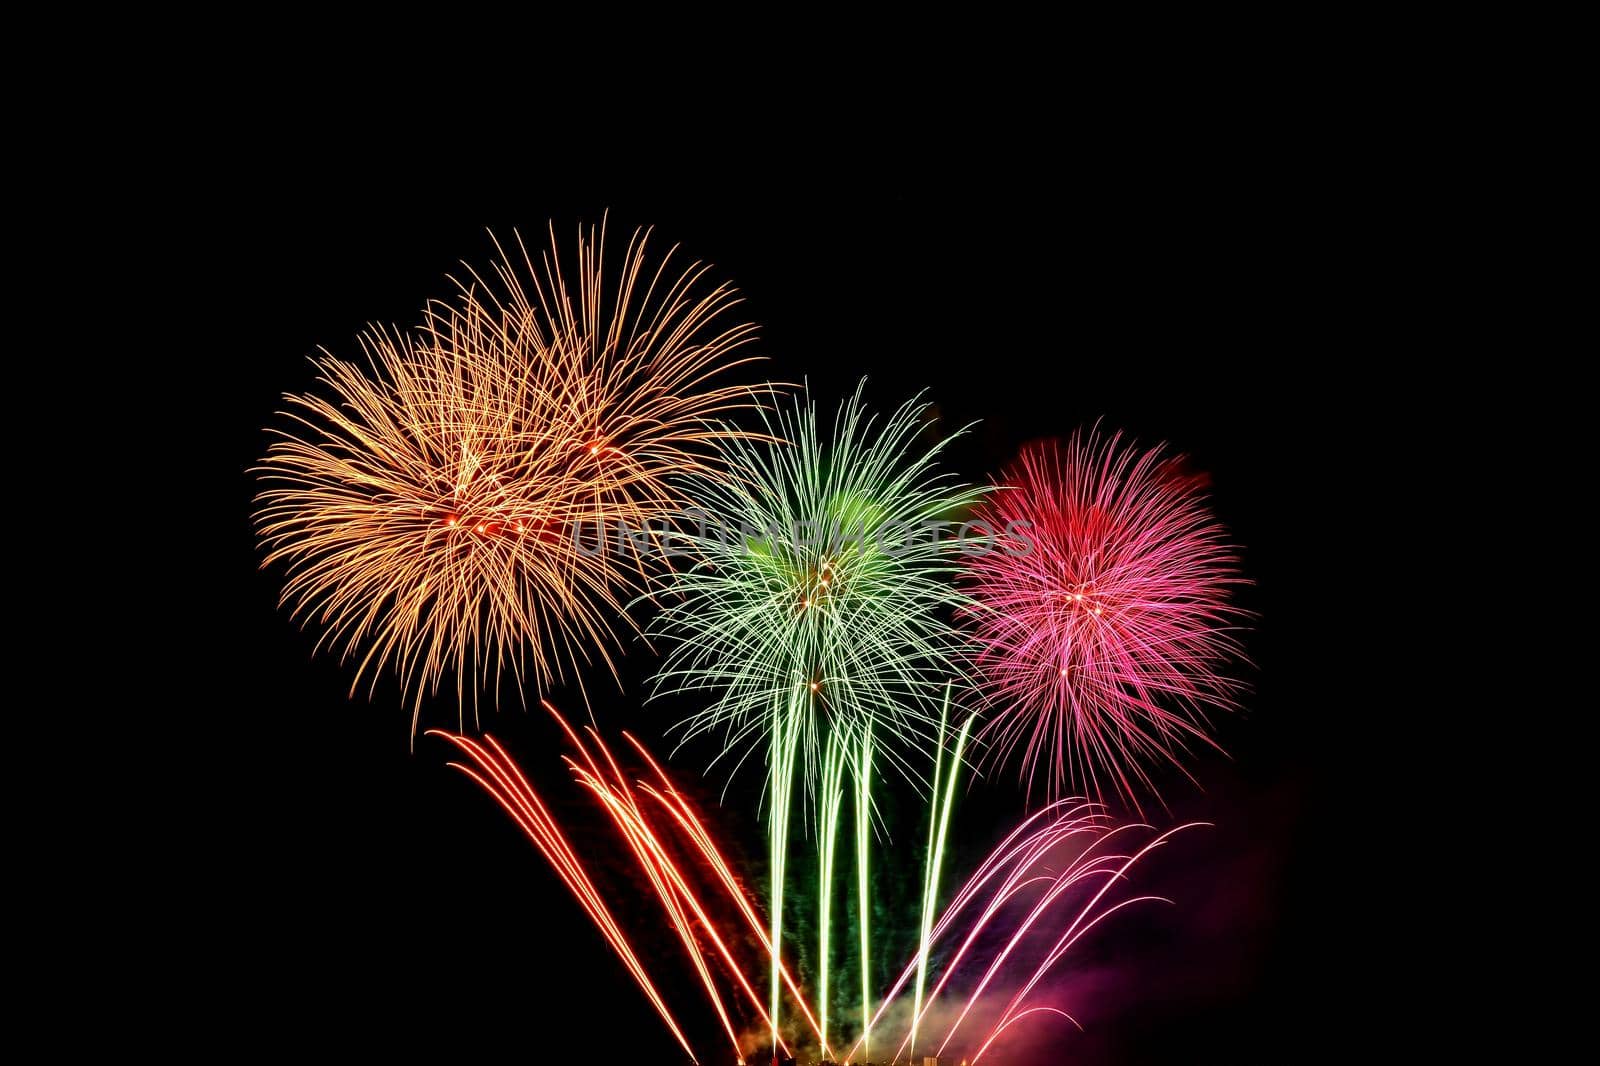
{"x":369,"y":899}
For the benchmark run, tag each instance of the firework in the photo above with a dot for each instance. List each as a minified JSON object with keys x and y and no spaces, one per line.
{"x":1049,"y":883}
{"x":430,"y":505}
{"x":831,"y":805}
{"x":1041,"y":891}
{"x":1104,"y":625}
{"x":691,"y":913}
{"x":811,"y":612}
{"x":938,"y":831}
{"x":499,"y":776}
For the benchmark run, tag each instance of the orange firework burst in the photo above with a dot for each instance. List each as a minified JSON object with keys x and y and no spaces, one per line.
{"x":430,"y":507}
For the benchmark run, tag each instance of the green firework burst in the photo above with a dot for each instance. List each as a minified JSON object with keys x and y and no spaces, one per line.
{"x":815,"y":610}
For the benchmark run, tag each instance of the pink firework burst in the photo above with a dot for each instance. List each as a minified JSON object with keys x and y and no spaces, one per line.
{"x":1103,"y":620}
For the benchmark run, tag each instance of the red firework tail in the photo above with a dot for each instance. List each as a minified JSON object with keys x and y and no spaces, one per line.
{"x":670,"y":884}
{"x":1102,"y":615}
{"x":684,"y":814}
{"x":619,"y":799}
{"x":669,"y":887}
{"x":510,"y":789}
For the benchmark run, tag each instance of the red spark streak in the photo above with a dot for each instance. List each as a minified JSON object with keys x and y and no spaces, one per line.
{"x":619,"y":799}
{"x":686,"y":817}
{"x":511,"y":790}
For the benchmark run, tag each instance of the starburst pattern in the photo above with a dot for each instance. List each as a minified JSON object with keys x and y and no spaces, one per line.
{"x":818,"y":586}
{"x":1104,"y":624}
{"x":430,"y":506}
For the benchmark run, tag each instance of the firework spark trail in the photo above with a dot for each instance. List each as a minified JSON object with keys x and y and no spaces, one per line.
{"x":1074,"y":821}
{"x":1017,"y":1018}
{"x":784,"y":744}
{"x":684,"y":813}
{"x":510,"y":789}
{"x":664,"y":877}
{"x":832,"y":636}
{"x":812,"y":583}
{"x":1079,"y":929}
{"x":597,"y":770}
{"x":1102,"y":647}
{"x":1006,"y":854}
{"x":428,"y":506}
{"x":864,"y":895}
{"x":831,"y":803}
{"x":928,"y":874}
{"x":1081,"y":922}
{"x":938,"y":830}
{"x":1021,"y":864}
{"x":1019,"y":879}
{"x":618,"y":799}
{"x":1019,"y":867}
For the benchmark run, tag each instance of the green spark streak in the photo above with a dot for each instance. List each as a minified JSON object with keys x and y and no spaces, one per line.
{"x":832,"y":802}
{"x":785,"y":734}
{"x":928,"y":874}
{"x":863,"y":836}
{"x":938,"y":816}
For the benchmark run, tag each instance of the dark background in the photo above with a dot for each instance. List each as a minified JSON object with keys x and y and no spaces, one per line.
{"x":368,"y":897}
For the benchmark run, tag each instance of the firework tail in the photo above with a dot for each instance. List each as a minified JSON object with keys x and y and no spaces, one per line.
{"x":684,"y":814}
{"x":670,"y":886}
{"x":938,"y":830}
{"x":831,"y":802}
{"x":1002,"y":856}
{"x":1002,"y":1027}
{"x":1085,"y":919}
{"x":863,"y":846}
{"x":618,"y":799}
{"x":501,"y":778}
{"x":785,"y":738}
{"x":928,"y":875}
{"x":1020,"y":871}
{"x":1022,"y":859}
{"x":597,"y":770}
{"x":1021,"y":865}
